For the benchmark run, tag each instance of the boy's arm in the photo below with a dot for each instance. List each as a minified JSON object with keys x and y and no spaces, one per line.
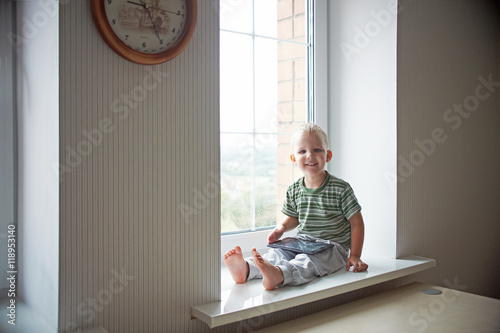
{"x":287,"y":224}
{"x":357,"y":238}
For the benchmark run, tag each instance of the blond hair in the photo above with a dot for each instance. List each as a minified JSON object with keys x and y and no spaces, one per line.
{"x":309,"y":128}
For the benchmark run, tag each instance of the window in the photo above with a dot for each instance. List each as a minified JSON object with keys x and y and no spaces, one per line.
{"x":265,"y":94}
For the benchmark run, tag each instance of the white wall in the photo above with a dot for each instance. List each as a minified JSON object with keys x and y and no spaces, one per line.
{"x":38,"y":188}
{"x":362,"y":111}
{"x":448,"y":191}
{"x":447,"y":198}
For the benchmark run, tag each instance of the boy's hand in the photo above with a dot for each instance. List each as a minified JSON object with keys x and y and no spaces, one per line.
{"x":276,"y":234}
{"x":356,"y":263}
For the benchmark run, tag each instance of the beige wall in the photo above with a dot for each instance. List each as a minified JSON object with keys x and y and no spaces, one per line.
{"x":139,"y":148}
{"x":448,"y":198}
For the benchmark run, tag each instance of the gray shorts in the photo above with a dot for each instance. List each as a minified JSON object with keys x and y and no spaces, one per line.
{"x":302,"y":268}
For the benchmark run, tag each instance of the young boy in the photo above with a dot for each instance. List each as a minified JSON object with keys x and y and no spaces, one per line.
{"x":323,"y":208}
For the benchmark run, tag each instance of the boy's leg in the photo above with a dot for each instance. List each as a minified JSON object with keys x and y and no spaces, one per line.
{"x":305,"y":268}
{"x":294,"y":269}
{"x":242,"y":269}
{"x":275,"y":273}
{"x":273,"y":256}
{"x":271,"y":274}
{"x":279,"y":267}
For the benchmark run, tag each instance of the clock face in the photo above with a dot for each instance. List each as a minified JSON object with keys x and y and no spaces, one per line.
{"x":148,"y":26}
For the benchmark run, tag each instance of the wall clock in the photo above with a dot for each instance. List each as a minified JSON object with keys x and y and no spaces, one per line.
{"x":146,"y":32}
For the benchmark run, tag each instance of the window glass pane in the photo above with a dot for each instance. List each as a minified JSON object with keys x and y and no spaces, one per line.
{"x":292,"y":104}
{"x":263,"y":99}
{"x":266,"y":17}
{"x":292,"y":20}
{"x":236,"y":82}
{"x":236,"y":15}
{"x":286,"y":171}
{"x":266,"y":84}
{"x":265,"y":179}
{"x":236,"y":181}
{"x":280,"y":84}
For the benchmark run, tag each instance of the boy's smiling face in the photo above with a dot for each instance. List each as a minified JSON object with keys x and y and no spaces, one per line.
{"x":310,"y":154}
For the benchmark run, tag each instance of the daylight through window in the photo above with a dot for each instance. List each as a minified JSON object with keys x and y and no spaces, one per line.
{"x":264,"y":93}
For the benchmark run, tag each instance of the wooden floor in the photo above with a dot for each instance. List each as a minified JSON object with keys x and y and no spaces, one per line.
{"x":404,"y":310}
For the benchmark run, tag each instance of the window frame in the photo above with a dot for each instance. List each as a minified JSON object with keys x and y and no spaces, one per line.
{"x":318,"y":103}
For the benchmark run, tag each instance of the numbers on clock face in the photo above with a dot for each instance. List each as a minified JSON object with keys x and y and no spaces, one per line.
{"x":148,"y":26}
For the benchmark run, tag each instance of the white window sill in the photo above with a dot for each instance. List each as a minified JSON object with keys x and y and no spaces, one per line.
{"x":244,"y":301}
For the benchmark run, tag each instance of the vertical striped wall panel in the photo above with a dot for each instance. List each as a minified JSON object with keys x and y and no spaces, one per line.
{"x":134,"y":159}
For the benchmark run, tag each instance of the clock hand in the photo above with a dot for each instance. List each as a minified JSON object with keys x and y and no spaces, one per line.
{"x":142,"y":4}
{"x":168,"y":11}
{"x":153,"y":23}
{"x":138,"y":4}
{"x":146,"y":6}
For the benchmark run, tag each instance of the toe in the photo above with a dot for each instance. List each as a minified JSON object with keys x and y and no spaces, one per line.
{"x":228,"y":254}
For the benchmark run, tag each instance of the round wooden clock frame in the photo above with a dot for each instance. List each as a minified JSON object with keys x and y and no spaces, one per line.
{"x":102,"y":24}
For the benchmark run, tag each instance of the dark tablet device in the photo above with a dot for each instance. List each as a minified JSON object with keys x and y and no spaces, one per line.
{"x":300,"y":245}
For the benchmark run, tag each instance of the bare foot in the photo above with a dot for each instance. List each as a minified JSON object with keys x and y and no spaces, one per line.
{"x":271,"y":275}
{"x":237,"y":266}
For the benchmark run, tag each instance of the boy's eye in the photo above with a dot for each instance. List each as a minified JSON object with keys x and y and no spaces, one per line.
{"x":302,"y":151}
{"x":318,"y":150}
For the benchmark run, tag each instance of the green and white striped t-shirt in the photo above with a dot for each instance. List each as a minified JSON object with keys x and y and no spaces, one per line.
{"x":323,"y":212}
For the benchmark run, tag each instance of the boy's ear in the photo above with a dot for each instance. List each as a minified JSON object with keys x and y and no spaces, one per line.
{"x":292,"y":158}
{"x":329,"y":155}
